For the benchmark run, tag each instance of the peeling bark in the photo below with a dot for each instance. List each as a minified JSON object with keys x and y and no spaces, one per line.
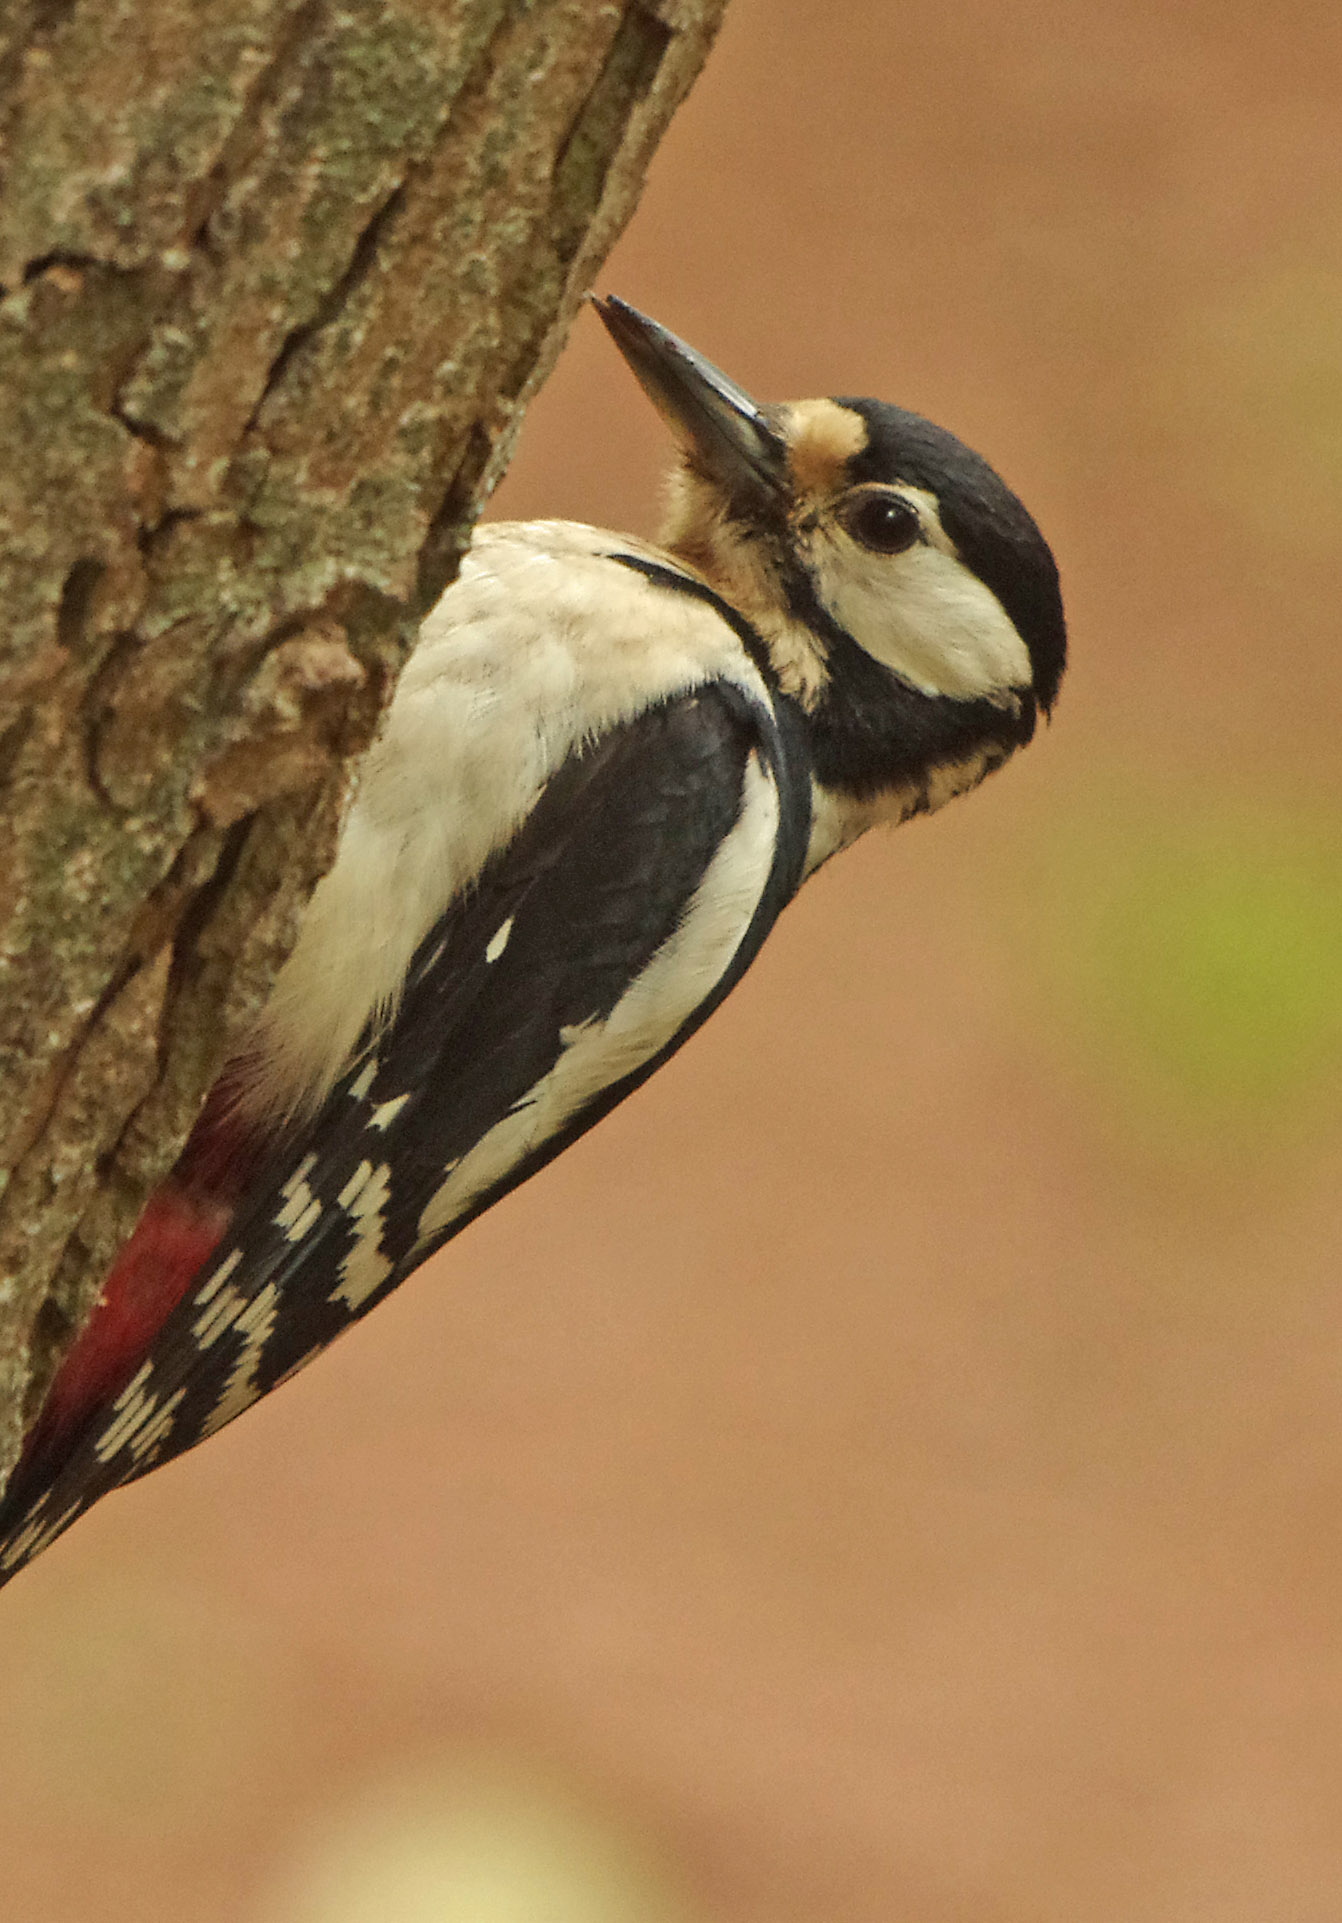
{"x":277,"y":278}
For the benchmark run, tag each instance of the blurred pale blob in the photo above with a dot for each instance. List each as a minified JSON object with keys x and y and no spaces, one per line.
{"x":135,"y":1709}
{"x":1194,"y":947}
{"x":468,"y":1840}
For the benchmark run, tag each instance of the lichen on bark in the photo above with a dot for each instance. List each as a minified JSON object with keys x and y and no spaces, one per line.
{"x":277,"y":278}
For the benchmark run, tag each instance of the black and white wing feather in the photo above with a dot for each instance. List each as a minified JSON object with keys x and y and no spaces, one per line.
{"x":631,"y":900}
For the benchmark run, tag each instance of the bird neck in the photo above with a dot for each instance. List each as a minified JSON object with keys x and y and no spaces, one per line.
{"x":743,"y":569}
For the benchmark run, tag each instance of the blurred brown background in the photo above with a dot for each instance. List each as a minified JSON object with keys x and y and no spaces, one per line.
{"x":893,"y":1469}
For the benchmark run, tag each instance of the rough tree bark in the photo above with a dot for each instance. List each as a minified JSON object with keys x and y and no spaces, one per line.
{"x":276,"y":280}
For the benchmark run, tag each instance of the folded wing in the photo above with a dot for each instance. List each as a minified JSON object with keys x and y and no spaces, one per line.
{"x":632,"y":899}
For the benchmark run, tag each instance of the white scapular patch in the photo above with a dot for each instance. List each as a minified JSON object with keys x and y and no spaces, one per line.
{"x":682,"y":974}
{"x":521,"y":662}
{"x":301,"y":1207}
{"x":255,"y":1325}
{"x":385,"y":1113}
{"x":923,"y":614}
{"x":499,"y":941}
{"x":140,"y":1419}
{"x":365,"y":1268}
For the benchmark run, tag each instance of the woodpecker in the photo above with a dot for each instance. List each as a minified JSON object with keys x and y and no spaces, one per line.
{"x":606,"y":769}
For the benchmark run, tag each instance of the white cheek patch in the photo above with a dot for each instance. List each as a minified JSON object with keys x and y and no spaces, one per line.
{"x":923,"y":615}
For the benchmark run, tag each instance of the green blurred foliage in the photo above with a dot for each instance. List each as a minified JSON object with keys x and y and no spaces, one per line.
{"x":1192,"y":955}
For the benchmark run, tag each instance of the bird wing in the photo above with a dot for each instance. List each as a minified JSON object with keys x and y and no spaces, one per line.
{"x":630,"y":902}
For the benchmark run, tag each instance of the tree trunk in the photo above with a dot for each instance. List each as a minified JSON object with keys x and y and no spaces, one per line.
{"x":277,"y":278}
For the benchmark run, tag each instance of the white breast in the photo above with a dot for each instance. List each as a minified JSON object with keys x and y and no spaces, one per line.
{"x":543,"y":642}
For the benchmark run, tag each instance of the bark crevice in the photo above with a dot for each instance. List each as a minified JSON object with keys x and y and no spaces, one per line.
{"x":278,"y":278}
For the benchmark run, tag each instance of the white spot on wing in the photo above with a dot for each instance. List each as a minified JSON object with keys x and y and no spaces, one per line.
{"x":308,"y":1219}
{"x":220,"y":1315}
{"x":140,"y":1419}
{"x":681,"y":975}
{"x":36,"y":1535}
{"x":355,"y":1186}
{"x":499,"y":941}
{"x":385,"y":1113}
{"x":155,"y":1430}
{"x":301,"y":1207}
{"x":526,"y":656}
{"x":255,"y":1325}
{"x":365,"y":1267}
{"x":208,"y":1290}
{"x":362,"y":1082}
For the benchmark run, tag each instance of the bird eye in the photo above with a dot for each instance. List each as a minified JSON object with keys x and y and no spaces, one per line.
{"x":885,"y":523}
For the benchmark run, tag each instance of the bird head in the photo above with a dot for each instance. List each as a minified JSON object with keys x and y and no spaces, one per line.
{"x":905,"y":596}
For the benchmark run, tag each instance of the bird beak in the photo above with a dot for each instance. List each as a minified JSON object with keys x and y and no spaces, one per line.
{"x":713,"y":419}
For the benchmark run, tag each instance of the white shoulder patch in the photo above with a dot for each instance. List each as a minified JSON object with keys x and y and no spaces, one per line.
{"x":681,"y":975}
{"x":542,"y":643}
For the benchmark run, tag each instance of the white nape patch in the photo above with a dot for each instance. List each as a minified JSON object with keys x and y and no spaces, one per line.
{"x":923,"y":614}
{"x":543,"y":643}
{"x":301,"y":1208}
{"x":682,"y":974}
{"x":365,"y":1268}
{"x":255,"y":1325}
{"x":499,"y":941}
